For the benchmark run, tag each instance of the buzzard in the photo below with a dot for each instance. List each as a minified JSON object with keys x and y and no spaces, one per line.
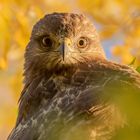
{"x":71,"y":91}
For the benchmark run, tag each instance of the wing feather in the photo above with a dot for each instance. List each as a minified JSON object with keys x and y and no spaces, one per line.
{"x":90,"y":100}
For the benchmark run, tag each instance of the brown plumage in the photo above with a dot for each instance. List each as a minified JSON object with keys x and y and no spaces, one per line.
{"x":70,"y":88}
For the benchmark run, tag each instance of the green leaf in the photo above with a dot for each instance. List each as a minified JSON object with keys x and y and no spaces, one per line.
{"x":132,"y":62}
{"x":138,"y":69}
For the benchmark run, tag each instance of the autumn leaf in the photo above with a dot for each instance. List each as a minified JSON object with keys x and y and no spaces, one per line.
{"x":132,"y":62}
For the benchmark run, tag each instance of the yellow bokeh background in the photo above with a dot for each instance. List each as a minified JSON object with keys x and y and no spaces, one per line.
{"x":119,"y":18}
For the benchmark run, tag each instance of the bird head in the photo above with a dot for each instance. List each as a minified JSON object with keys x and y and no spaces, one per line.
{"x":60,"y":40}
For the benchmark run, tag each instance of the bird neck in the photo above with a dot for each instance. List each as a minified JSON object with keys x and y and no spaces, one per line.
{"x":31,"y":73}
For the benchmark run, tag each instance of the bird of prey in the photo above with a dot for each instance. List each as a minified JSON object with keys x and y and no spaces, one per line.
{"x":71,"y":91}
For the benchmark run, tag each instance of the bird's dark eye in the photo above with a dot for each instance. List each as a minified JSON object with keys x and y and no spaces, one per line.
{"x":46,"y":41}
{"x":82,"y":43}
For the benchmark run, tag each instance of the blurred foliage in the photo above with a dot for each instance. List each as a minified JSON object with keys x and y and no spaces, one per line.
{"x":128,"y":102}
{"x":138,"y":69}
{"x":119,"y":18}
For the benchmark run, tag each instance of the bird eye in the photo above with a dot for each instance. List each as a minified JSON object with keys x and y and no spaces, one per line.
{"x":46,"y":41}
{"x":82,"y":43}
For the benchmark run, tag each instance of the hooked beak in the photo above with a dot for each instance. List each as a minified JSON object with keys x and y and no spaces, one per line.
{"x":64,"y":48}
